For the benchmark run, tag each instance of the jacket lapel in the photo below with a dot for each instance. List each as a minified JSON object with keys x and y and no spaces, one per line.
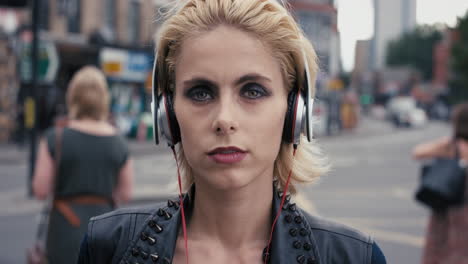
{"x":155,"y":242}
{"x":292,"y":241}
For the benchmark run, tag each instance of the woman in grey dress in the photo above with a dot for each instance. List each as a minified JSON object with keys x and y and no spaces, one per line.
{"x":94,"y":170}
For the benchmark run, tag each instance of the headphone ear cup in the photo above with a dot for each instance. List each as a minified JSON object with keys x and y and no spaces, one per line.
{"x":172,"y":119}
{"x":289,"y":118}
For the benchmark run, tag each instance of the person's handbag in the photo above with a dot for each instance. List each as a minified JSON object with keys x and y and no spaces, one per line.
{"x":38,"y":253}
{"x":442,"y":184}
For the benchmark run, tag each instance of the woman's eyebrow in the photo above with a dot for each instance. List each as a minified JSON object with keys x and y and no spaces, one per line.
{"x":252,"y":77}
{"x":199,"y":80}
{"x":243,"y":79}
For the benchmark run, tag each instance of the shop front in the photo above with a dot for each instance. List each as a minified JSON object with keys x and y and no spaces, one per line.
{"x":128,"y":73}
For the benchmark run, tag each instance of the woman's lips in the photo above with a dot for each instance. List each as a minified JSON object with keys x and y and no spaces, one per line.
{"x":227,"y":155}
{"x":228,"y":158}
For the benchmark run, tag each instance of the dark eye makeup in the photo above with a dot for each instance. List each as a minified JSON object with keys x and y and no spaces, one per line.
{"x":254,"y":91}
{"x":200,"y":93}
{"x":201,"y":90}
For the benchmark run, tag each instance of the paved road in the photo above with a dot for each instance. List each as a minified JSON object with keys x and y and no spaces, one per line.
{"x":370,"y":187}
{"x":372,"y":184}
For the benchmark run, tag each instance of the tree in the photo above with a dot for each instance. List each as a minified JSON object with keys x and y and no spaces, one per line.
{"x":459,"y":62}
{"x":415,"y":49}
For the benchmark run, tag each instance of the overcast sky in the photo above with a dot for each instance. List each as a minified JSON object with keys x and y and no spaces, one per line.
{"x":355,"y":20}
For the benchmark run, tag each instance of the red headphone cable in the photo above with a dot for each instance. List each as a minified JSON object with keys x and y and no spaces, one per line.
{"x":181,"y":199}
{"x":184,"y":224}
{"x":267,"y":252}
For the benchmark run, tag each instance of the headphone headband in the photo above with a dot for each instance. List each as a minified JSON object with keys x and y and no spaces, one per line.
{"x":309,"y":101}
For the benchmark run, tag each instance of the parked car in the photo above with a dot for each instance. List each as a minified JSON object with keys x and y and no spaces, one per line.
{"x":403,"y":112}
{"x":439,"y":110}
{"x":319,"y":118}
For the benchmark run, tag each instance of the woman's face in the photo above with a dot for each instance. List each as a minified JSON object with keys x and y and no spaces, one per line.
{"x":230,"y":102}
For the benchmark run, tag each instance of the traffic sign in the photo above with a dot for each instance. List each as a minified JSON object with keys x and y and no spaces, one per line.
{"x":48,"y":60}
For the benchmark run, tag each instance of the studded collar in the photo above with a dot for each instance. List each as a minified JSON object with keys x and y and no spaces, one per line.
{"x":155,"y":242}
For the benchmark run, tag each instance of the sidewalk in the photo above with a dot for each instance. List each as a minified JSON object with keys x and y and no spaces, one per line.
{"x":13,"y":153}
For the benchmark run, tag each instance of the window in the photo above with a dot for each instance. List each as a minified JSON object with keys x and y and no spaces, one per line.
{"x":109,"y":14}
{"x":73,"y":15}
{"x":133,"y":21}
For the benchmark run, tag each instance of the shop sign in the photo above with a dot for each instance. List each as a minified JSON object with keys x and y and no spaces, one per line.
{"x":123,"y":65}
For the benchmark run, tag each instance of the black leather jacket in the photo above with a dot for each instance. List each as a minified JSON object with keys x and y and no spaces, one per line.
{"x":148,"y":235}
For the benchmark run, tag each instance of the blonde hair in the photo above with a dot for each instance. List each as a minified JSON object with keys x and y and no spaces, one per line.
{"x":272,"y":24}
{"x":88,"y":95}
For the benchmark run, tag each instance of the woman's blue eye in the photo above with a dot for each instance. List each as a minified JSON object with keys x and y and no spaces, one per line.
{"x":253,"y":91}
{"x":199,"y":94}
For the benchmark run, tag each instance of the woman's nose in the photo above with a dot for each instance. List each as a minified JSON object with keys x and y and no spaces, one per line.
{"x":224,"y":122}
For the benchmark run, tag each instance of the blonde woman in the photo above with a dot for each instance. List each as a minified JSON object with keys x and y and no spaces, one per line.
{"x":87,"y":172}
{"x":231,"y":74}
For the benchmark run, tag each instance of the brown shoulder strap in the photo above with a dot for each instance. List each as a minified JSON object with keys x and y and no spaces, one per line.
{"x":58,"y":147}
{"x":58,"y":155}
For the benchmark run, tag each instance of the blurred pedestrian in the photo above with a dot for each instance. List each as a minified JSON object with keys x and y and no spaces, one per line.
{"x":93,"y":170}
{"x":446,"y":235}
{"x":235,"y":82}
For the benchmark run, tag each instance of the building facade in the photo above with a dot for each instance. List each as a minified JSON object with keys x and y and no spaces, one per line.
{"x":114,"y":35}
{"x":318,"y":19}
{"x":361,"y":75}
{"x":8,"y":88}
{"x":362,"y":56}
{"x":391,"y":19}
{"x":124,"y":22}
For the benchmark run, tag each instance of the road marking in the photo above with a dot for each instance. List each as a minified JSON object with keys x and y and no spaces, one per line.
{"x":403,"y":193}
{"x":152,"y":191}
{"x":14,"y":202}
{"x":383,"y":222}
{"x":395,"y":237}
{"x":305,"y":204}
{"x":363,"y":224}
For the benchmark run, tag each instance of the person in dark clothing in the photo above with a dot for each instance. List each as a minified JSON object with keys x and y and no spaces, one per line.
{"x":446,"y":239}
{"x":84,"y":166}
{"x":234,"y":79}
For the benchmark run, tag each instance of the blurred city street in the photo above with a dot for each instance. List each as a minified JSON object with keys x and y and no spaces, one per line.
{"x":390,"y":76}
{"x":370,"y":187}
